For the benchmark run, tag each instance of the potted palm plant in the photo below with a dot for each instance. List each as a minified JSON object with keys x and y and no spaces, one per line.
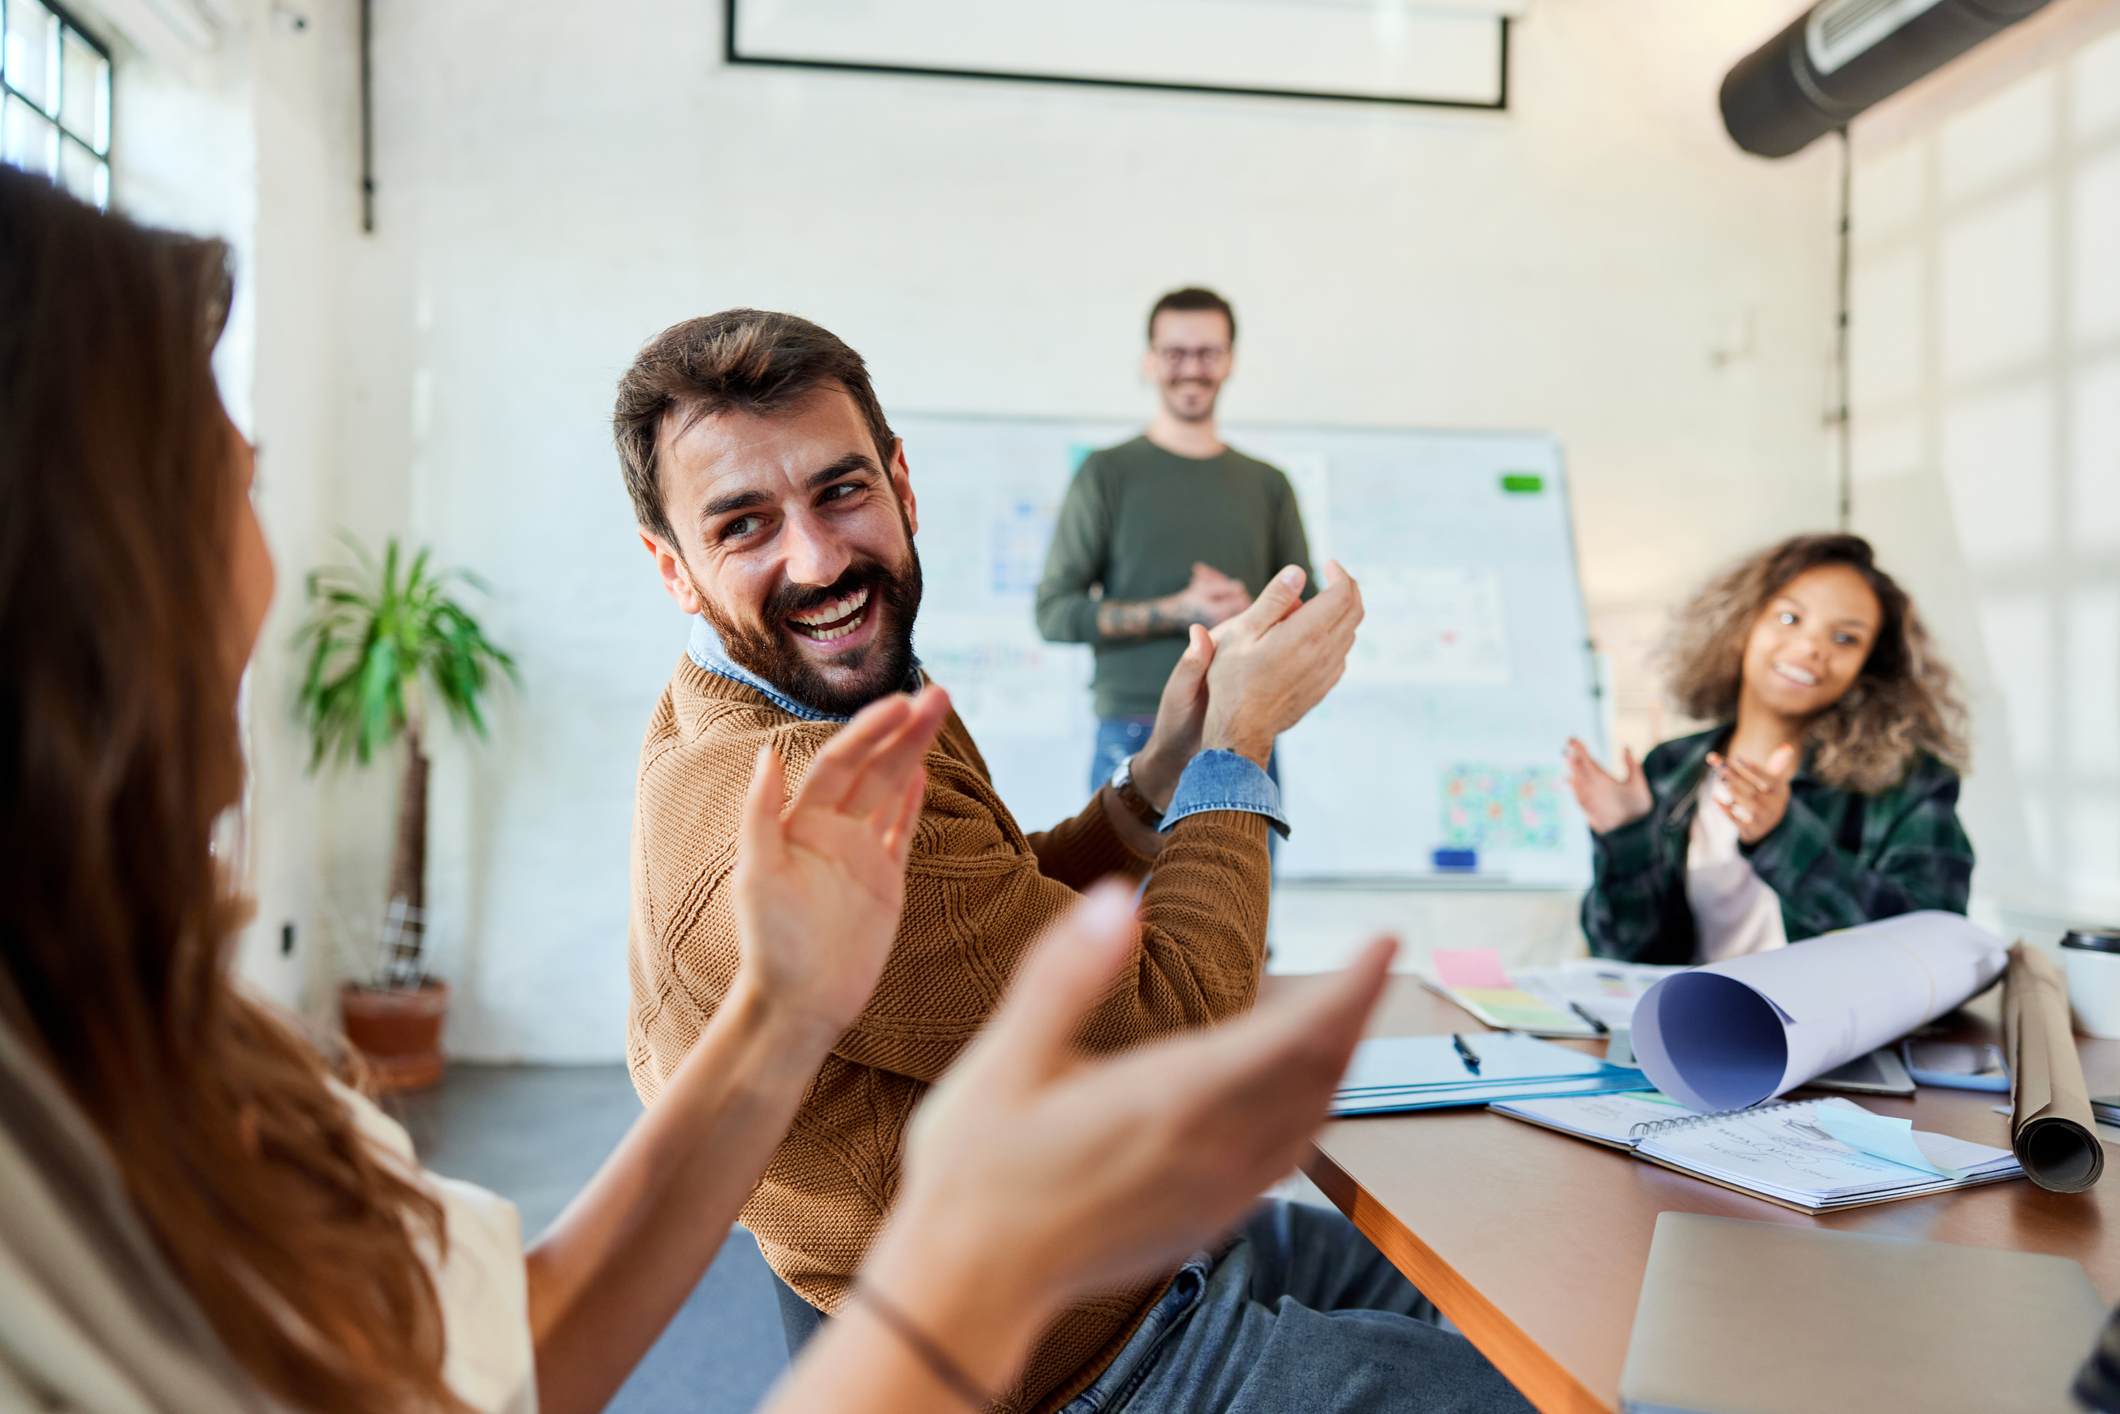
{"x":385,"y":642}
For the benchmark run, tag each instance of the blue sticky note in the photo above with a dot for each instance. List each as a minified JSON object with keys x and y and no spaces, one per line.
{"x":1878,"y":1135}
{"x":1457,"y":861}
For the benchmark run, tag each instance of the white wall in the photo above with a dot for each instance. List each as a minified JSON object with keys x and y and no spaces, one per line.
{"x":250,"y":136}
{"x":553,"y":191}
{"x":1987,"y":412}
{"x":306,"y":119}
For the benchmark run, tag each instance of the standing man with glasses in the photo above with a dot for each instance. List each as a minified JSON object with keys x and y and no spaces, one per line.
{"x":1166,"y":531}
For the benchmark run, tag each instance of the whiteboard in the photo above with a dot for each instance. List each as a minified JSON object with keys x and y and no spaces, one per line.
{"x":1437,"y":757}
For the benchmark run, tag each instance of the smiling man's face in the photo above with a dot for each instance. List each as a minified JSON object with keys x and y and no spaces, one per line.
{"x":1190,"y":355}
{"x":796,"y":543}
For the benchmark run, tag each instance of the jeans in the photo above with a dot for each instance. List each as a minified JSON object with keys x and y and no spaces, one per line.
{"x":1120,"y":737}
{"x":1299,"y":1313}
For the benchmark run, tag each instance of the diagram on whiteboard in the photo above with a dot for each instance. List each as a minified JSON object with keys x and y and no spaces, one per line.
{"x":1018,"y":537}
{"x":1495,"y":807}
{"x":1025,"y":687}
{"x":1432,"y":624}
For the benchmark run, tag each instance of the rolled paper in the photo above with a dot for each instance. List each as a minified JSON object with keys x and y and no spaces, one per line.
{"x":1739,"y":1032}
{"x":2050,"y":1107}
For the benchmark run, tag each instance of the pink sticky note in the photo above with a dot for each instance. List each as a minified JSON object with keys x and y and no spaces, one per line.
{"x":1469,"y":967}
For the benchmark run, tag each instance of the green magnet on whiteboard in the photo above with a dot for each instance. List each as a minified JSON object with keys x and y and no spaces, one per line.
{"x":1523,"y":483}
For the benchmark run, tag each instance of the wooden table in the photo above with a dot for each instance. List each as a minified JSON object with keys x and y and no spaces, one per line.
{"x":1534,"y":1243}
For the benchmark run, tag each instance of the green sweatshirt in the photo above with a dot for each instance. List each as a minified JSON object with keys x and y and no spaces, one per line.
{"x":1135,"y":519}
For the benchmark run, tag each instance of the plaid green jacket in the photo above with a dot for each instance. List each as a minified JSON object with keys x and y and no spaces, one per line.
{"x":1838,"y":858}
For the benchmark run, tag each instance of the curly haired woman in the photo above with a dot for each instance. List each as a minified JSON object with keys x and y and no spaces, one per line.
{"x":1825,"y":796}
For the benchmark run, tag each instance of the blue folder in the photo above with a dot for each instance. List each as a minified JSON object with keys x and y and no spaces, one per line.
{"x":1377,"y":1102}
{"x":1412,"y":1062}
{"x":1394,"y":1073}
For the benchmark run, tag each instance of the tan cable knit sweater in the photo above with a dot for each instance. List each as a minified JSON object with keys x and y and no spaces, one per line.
{"x":978,"y":891}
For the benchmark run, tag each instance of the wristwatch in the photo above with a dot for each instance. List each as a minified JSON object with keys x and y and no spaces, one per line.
{"x":1130,"y":795}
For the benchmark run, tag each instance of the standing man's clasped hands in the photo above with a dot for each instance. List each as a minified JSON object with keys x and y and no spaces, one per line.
{"x":1210,"y":596}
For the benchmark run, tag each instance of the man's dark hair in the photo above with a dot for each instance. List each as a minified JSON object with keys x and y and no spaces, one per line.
{"x":1190,"y":299}
{"x":745,"y":360}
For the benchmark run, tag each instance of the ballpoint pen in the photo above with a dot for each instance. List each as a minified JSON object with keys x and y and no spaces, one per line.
{"x":1595,"y":1025}
{"x":1465,"y":1053}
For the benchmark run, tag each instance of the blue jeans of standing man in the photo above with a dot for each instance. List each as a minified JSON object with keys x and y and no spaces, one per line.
{"x":1120,"y":737}
{"x":1298,"y":1313}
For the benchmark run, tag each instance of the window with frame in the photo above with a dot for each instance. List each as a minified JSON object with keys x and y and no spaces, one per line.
{"x":55,"y":98}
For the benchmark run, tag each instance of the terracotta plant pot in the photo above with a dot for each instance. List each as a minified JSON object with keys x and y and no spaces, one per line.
{"x":399,"y":1033}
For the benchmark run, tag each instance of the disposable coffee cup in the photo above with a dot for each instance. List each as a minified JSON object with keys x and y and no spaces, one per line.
{"x":2091,"y":959}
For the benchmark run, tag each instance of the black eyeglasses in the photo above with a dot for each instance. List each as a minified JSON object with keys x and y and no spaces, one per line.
{"x":1208,"y":355}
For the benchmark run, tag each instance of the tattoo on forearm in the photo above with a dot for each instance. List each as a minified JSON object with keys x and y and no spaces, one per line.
{"x":1143,"y":618}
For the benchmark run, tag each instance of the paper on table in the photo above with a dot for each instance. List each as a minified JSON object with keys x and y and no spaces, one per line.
{"x":1784,"y":1151}
{"x":1609,"y":1119}
{"x":2050,"y":1108}
{"x":1605,"y":989}
{"x":1739,"y":1032}
{"x":1881,"y":1135}
{"x":1518,"y":1010}
{"x":1469,"y":967}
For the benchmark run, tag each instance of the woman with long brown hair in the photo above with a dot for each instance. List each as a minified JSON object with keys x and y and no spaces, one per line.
{"x":1825,"y":795}
{"x":195,"y":1214}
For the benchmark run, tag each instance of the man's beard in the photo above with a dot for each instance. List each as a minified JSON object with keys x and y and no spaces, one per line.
{"x":885,"y":662}
{"x":1174,"y":391}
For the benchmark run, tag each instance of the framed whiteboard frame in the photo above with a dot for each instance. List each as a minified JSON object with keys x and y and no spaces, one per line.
{"x":1597,"y":731}
{"x":733,"y":55}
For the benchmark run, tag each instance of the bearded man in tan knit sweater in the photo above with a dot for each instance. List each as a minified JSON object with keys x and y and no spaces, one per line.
{"x":779,"y":509}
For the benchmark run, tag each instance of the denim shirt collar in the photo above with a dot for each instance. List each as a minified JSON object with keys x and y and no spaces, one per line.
{"x":705,"y":648}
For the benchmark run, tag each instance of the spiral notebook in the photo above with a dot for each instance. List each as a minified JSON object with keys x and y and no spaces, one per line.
{"x":1791,"y":1153}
